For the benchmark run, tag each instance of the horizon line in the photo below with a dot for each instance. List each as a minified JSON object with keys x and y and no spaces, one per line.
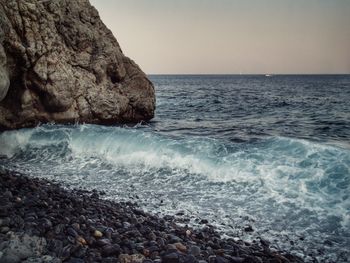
{"x":252,"y":74}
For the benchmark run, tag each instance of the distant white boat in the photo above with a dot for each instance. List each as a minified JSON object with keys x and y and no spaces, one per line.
{"x":268,"y":75}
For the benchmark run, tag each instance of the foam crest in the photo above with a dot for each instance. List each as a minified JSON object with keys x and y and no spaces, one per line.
{"x":293,"y":172}
{"x":302,"y":165}
{"x":285,"y":184}
{"x":136,"y":149}
{"x":12,"y":142}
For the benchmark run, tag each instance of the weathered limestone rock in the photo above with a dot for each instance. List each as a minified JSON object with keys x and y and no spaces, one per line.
{"x":4,"y":78}
{"x":59,"y":63}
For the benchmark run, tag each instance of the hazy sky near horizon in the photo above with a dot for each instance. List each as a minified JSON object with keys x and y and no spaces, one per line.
{"x":232,"y":36}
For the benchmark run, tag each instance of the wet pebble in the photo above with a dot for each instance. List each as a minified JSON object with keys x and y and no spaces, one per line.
{"x":236,"y":260}
{"x":72,"y":232}
{"x":103,"y":242}
{"x":248,"y":228}
{"x":75,"y":260}
{"x":135,"y":258}
{"x":180,"y":247}
{"x":111,"y":250}
{"x":195,"y":251}
{"x":81,"y":240}
{"x":4,"y":229}
{"x":8,"y":194}
{"x":174,"y":239}
{"x":98,"y":234}
{"x":171,"y":258}
{"x":79,"y":227}
{"x":5,"y":221}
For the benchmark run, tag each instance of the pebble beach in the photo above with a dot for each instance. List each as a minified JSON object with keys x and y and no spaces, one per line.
{"x":41,"y":221}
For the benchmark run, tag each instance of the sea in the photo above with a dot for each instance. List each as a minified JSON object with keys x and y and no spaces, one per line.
{"x":244,"y":152}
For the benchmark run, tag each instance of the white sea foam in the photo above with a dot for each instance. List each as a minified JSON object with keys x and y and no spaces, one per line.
{"x":14,"y":141}
{"x":284,"y":184}
{"x":283,"y":165}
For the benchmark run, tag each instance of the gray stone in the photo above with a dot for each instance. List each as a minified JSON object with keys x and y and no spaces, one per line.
{"x":50,"y":259}
{"x":103,"y":242}
{"x":60,"y":63}
{"x":195,"y":251}
{"x":4,"y":78}
{"x":212,"y":259}
{"x":33,"y":260}
{"x":8,"y":194}
{"x":10,"y":258}
{"x":75,"y":260}
{"x":4,"y":229}
{"x":171,"y":258}
{"x":20,"y":247}
{"x":190,"y":259}
{"x":220,"y":259}
{"x":110,"y":250}
{"x":134,"y":258}
{"x":237,"y":259}
{"x":5,"y":221}
{"x":174,"y":239}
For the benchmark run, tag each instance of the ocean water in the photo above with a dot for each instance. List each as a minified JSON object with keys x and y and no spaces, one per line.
{"x":269,"y":152}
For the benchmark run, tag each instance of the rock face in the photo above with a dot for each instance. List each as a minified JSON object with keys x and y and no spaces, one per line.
{"x":60,"y":63}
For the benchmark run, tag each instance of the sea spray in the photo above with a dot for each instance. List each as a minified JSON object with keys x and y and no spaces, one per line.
{"x":284,"y":187}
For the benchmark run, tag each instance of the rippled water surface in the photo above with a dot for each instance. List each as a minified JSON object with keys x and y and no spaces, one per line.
{"x":271,"y":152}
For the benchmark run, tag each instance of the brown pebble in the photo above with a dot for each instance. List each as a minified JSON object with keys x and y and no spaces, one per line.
{"x":81,"y":240}
{"x":180,"y":247}
{"x":220,"y":252}
{"x":76,"y":226}
{"x":146,"y":253}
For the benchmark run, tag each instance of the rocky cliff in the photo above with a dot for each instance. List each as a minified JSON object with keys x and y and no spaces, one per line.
{"x":60,"y":63}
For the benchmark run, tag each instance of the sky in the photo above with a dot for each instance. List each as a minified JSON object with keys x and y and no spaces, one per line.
{"x":232,"y":36}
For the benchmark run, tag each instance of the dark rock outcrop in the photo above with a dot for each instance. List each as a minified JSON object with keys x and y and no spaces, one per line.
{"x":60,"y":63}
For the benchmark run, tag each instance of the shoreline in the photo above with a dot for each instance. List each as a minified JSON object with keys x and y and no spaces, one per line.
{"x":42,"y":222}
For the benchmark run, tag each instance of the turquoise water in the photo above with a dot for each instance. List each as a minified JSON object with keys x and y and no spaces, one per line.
{"x":269,"y":152}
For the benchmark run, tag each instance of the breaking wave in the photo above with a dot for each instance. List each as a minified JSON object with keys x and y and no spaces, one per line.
{"x":286,"y":188}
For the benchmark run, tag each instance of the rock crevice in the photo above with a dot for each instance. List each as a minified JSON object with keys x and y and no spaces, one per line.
{"x":60,"y":63}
